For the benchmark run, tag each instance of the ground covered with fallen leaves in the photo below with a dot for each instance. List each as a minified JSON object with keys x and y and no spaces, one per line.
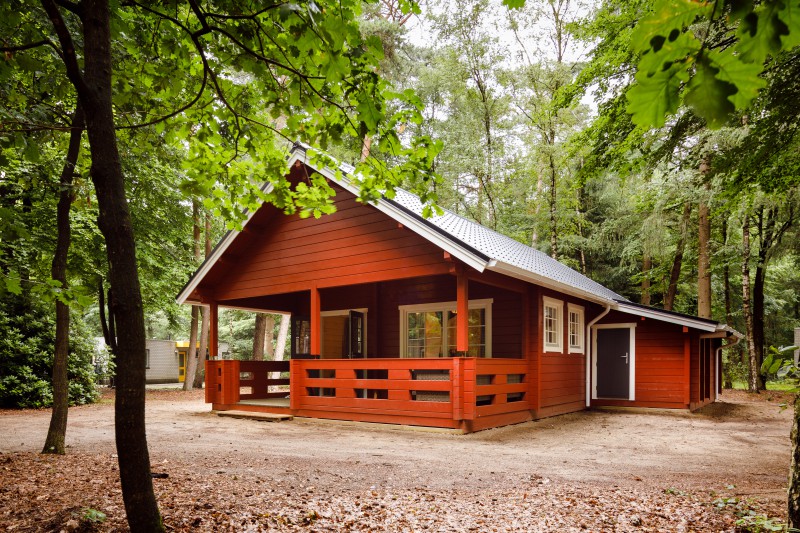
{"x":591,"y":471}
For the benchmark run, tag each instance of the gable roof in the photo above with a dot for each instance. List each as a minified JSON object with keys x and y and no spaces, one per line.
{"x":474,"y":244}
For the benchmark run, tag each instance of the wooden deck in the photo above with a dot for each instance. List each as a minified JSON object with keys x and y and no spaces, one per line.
{"x":463,"y":393}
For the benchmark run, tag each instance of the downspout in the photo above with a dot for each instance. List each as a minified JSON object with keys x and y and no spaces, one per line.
{"x":718,"y":354}
{"x":588,"y":338}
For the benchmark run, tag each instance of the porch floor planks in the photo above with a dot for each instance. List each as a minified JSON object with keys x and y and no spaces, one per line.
{"x":253,"y":415}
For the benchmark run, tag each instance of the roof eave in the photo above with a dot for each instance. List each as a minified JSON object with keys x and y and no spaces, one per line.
{"x":299,"y":154}
{"x":526,"y":275}
{"x":702,"y":325}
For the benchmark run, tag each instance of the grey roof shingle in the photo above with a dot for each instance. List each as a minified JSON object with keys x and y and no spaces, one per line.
{"x":499,"y":247}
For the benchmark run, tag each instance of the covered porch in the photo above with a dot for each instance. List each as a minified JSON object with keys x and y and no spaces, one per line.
{"x":438,"y":351}
{"x":465,"y":393}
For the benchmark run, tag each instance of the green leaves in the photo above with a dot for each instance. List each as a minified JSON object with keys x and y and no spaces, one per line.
{"x":657,"y":96}
{"x":684,"y":57}
{"x":708,"y":95}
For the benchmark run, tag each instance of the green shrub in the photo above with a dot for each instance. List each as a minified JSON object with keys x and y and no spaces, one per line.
{"x":27,"y":340}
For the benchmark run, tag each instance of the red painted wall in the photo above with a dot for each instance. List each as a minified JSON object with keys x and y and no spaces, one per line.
{"x":660,"y":362}
{"x":357,"y":244}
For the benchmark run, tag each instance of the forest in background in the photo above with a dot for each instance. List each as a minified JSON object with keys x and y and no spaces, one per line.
{"x":651,"y":145}
{"x":529,"y":106}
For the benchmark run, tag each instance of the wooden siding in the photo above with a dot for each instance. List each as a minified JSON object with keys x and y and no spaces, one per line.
{"x":357,"y":244}
{"x":661,"y":371}
{"x":562,"y":375}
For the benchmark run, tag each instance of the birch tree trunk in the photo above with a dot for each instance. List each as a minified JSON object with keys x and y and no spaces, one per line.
{"x":206,"y":321}
{"x":190,"y":365}
{"x":280,"y":343}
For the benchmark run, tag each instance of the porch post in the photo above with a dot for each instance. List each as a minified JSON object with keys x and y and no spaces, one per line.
{"x":316,"y":318}
{"x":462,"y":311}
{"x":213,"y":330}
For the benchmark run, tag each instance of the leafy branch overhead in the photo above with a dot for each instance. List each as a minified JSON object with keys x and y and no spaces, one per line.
{"x":710,"y":56}
{"x":223,"y":84}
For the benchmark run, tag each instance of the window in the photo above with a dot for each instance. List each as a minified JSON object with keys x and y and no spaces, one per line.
{"x":553,"y":328}
{"x":575,"y":328}
{"x":147,"y":356}
{"x":430,"y":330}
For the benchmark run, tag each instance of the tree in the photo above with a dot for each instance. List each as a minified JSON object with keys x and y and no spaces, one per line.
{"x":708,"y":55}
{"x":54,"y":442}
{"x":322,"y":77}
{"x":191,"y":355}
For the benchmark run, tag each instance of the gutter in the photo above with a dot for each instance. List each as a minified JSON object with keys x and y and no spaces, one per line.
{"x":588,"y":344}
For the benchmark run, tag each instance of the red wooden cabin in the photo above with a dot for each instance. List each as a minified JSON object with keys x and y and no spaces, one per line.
{"x":437,"y":322}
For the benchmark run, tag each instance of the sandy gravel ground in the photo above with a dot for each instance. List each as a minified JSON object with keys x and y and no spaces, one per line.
{"x":595,"y":470}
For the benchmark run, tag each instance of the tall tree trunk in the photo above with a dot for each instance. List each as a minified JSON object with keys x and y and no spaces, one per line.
{"x":758,"y":320}
{"x":258,"y":336}
{"x":280,"y":343}
{"x":754,"y":383}
{"x":703,"y":253}
{"x":269,"y":330}
{"x":93,"y":87}
{"x":205,"y":313}
{"x":726,"y":274}
{"x":190,"y":365}
{"x":203,"y":356}
{"x":56,"y":434}
{"x":794,"y":470}
{"x":283,"y":334}
{"x":675,"y":272}
{"x":553,"y":214}
{"x":647,"y":264}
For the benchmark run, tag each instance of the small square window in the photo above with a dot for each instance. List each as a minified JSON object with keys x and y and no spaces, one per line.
{"x":552,"y":311}
{"x":575,"y":328}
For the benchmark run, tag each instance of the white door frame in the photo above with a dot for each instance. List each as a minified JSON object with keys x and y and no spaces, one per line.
{"x":632,"y":365}
{"x":345,"y":312}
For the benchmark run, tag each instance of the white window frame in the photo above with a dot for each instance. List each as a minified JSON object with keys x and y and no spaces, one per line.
{"x":485,"y":304}
{"x":581,"y":345}
{"x":559,"y":306}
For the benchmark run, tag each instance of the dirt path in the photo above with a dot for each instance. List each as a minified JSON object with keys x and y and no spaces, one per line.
{"x":736,"y":449}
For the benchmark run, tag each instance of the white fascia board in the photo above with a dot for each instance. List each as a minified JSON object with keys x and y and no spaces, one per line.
{"x":410,"y":222}
{"x":526,"y":275}
{"x":666,"y":317}
{"x":212,"y":259}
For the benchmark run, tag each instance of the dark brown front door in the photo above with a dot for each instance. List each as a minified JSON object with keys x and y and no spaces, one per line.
{"x":613,"y":363}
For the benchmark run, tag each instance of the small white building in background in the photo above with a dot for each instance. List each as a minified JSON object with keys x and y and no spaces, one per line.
{"x":162,"y":361}
{"x":166,"y":359}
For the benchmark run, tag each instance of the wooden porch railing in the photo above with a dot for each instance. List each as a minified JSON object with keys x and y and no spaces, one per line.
{"x":229,"y":381}
{"x":414,"y":390}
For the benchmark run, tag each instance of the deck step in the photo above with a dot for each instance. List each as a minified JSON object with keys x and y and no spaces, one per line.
{"x":265,"y":417}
